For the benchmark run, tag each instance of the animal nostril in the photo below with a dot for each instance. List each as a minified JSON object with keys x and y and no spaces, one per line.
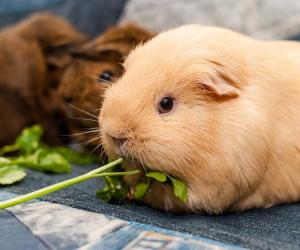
{"x":119,"y":141}
{"x":68,"y":99}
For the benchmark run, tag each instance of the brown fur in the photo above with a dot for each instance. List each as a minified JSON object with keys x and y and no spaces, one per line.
{"x":81,"y":86}
{"x":33,"y":55}
{"x":233,"y":136}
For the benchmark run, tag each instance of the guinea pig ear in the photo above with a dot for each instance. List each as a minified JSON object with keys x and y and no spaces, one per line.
{"x":220,"y":87}
{"x":95,"y":53}
{"x":118,"y":39}
{"x":51,"y":31}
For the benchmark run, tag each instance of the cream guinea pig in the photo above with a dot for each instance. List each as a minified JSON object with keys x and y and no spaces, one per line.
{"x":214,"y":108}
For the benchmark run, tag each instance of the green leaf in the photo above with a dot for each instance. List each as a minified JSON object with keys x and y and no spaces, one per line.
{"x":44,"y":160}
{"x":180,"y":189}
{"x":157,"y":176}
{"x":114,"y":189}
{"x":75,"y":157}
{"x":4,"y":161}
{"x":105,"y":194}
{"x":29,"y":140}
{"x":11,"y":174}
{"x":120,"y":194}
{"x":140,"y":190}
{"x":28,"y":161}
{"x":54,"y":162}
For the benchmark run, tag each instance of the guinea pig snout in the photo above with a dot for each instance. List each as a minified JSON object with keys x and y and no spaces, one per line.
{"x":119,"y":141}
{"x":115,"y":135}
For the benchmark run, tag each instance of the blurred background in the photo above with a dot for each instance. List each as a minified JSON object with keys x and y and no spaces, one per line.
{"x":278,"y":19}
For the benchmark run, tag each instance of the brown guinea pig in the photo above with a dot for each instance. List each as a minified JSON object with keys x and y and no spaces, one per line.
{"x":33,"y":55}
{"x":214,"y":108}
{"x":98,"y":63}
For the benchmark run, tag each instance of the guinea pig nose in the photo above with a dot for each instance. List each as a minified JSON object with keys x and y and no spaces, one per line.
{"x":68,"y":99}
{"x":119,"y":141}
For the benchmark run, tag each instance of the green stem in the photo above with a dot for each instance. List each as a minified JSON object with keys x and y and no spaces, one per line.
{"x":106,"y":167}
{"x":44,"y":191}
{"x":118,"y":173}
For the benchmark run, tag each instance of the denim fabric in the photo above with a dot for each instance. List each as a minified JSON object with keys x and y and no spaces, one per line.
{"x":62,"y":227}
{"x":90,"y":16}
{"x":14,"y":233}
{"x":273,"y":228}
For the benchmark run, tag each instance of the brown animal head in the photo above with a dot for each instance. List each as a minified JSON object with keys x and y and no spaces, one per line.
{"x":98,"y":63}
{"x":56,"y":45}
{"x":33,"y":56}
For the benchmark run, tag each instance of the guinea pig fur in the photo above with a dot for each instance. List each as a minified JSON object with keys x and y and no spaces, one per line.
{"x":214,"y":108}
{"x":33,"y":56}
{"x":97,"y":64}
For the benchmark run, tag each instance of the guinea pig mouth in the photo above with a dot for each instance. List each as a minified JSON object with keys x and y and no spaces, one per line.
{"x":131,"y":163}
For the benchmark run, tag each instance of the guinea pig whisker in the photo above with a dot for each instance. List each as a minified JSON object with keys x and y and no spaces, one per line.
{"x":133,"y":160}
{"x":92,"y":128}
{"x":84,"y":119}
{"x":86,"y":132}
{"x":102,"y":153}
{"x":86,"y":142}
{"x":83,"y":111}
{"x":141,"y":162}
{"x":92,"y":140}
{"x":90,"y":131}
{"x":152,"y":159}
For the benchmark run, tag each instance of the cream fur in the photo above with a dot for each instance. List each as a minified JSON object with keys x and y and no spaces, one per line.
{"x":235,"y":151}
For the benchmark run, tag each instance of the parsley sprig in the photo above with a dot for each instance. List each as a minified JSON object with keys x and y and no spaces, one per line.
{"x":29,"y":152}
{"x":98,"y":172}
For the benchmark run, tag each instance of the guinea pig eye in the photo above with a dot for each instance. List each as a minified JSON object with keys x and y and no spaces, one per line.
{"x":166,"y":105}
{"x":105,"y":76}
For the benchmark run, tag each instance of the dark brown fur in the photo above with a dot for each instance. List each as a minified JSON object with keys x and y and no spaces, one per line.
{"x":33,"y":56}
{"x":81,"y":86}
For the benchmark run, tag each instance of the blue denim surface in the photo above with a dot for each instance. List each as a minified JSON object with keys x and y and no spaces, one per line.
{"x":273,"y":228}
{"x":16,"y":234}
{"x":38,"y":225}
{"x":90,"y":16}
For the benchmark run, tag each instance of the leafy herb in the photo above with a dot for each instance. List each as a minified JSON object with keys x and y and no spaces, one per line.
{"x":179,"y":188}
{"x":99,"y":172}
{"x":157,"y":176}
{"x":29,"y":140}
{"x":74,"y":157}
{"x":11,"y":174}
{"x":114,"y":189}
{"x":140,"y":190}
{"x":54,"y":162}
{"x":30,"y":152}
